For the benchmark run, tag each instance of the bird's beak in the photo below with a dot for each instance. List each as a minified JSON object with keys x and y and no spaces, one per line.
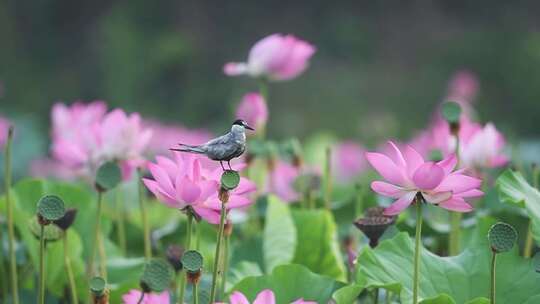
{"x":248,"y":127}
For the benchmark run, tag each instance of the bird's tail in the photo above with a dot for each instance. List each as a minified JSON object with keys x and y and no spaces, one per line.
{"x":189,"y":148}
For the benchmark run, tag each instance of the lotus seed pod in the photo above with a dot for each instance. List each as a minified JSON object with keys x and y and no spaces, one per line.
{"x":451,"y":111}
{"x":108,"y":176}
{"x":192,"y":261}
{"x":67,"y":220}
{"x":51,"y":207}
{"x":157,"y":276}
{"x":374,"y":227}
{"x":502,"y":237}
{"x":51,"y":233}
{"x":230,"y":180}
{"x":97,"y":286}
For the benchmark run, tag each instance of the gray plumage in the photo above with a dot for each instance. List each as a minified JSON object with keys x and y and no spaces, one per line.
{"x":223,"y":148}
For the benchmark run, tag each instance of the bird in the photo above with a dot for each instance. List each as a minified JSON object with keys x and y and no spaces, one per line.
{"x":223,"y":148}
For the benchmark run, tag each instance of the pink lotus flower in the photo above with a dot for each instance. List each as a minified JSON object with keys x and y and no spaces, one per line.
{"x":278,"y":57}
{"x":479,"y":146}
{"x":264,"y":297}
{"x":133,"y":296}
{"x":409,"y":174}
{"x":84,"y":137}
{"x":253,"y":110}
{"x":348,"y":161}
{"x":463,"y":88}
{"x":281,"y":181}
{"x":184,"y":182}
{"x":4,"y":128}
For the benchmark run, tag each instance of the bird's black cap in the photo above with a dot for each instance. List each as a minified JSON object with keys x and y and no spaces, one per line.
{"x":239,"y":122}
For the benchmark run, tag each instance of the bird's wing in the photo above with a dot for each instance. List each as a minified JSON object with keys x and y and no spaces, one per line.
{"x":223,"y":139}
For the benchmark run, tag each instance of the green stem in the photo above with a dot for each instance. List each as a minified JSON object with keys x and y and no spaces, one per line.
{"x":493,"y":264}
{"x":144,"y":217}
{"x":196,"y":293}
{"x":69,"y":270}
{"x":527,"y":251}
{"x":217,"y":254}
{"x":263,"y":90}
{"x":417,"y":248}
{"x":455,"y":233}
{"x":387,"y":297}
{"x":225,"y":264}
{"x":120,"y":222}
{"x":102,"y":256}
{"x":42,"y":265}
{"x":376,"y":296}
{"x":182,"y":284}
{"x":11,"y":230}
{"x":96,"y":236}
{"x":328,"y":179}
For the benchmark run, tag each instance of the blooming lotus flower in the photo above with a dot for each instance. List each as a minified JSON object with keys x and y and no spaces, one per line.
{"x":348,"y":161}
{"x":4,"y":127}
{"x":278,"y":57}
{"x":133,"y":296}
{"x":281,"y":181}
{"x":264,"y":297}
{"x":253,"y":110}
{"x":479,"y":146}
{"x":408,"y":174}
{"x":184,"y":182}
{"x":463,"y":88}
{"x":84,"y":137}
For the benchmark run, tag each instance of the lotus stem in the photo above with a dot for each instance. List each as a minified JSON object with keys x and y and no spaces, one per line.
{"x":417,"y":248}
{"x":455,"y":233}
{"x":182,"y":285}
{"x":527,"y":251}
{"x":96,"y":236}
{"x":120,"y":221}
{"x":144,"y":218}
{"x":376,"y":296}
{"x":493,"y":264}
{"x":102,"y":257}
{"x":196,"y":293}
{"x":71,"y":278}
{"x":217,"y":254}
{"x":11,"y":230}
{"x":328,"y":179}
{"x":225,"y":264}
{"x":41,"y":293}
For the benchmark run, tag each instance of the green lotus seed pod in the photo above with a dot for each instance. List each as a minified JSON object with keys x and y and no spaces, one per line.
{"x":157,"y":275}
{"x":108,"y":176}
{"x":451,"y":111}
{"x":51,"y":207}
{"x":51,"y":233}
{"x":230,"y":179}
{"x":97,"y":286}
{"x":536,"y":262}
{"x":192,"y":261}
{"x":502,"y":237}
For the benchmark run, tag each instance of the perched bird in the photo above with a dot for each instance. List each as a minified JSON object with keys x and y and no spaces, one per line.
{"x":223,"y":148}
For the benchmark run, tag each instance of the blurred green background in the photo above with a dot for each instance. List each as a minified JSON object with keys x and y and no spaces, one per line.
{"x":380,"y":68}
